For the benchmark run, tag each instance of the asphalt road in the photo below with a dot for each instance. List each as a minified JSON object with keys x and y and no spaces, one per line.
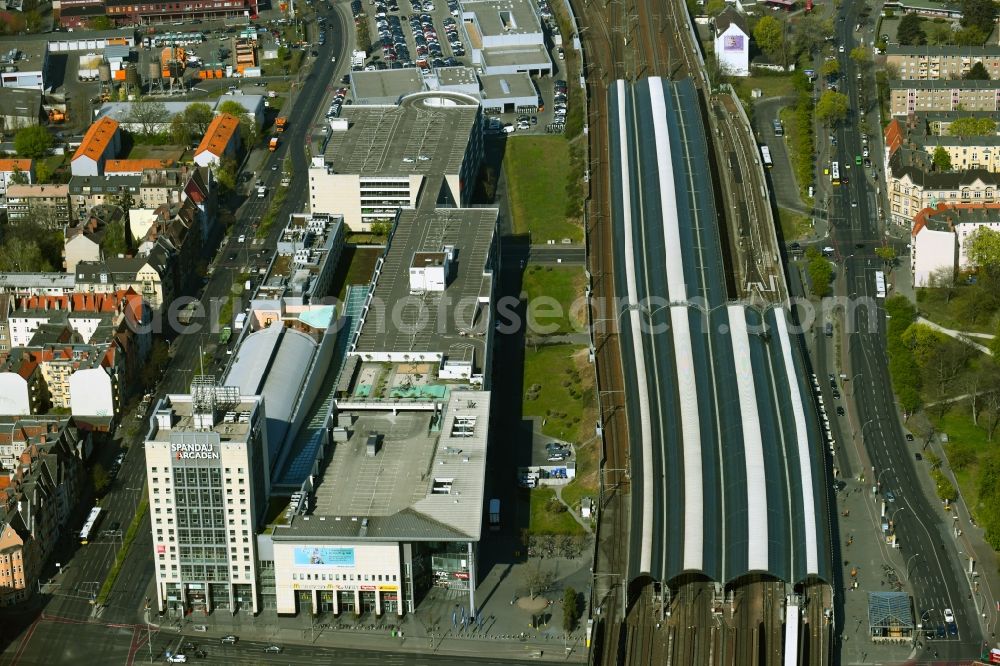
{"x":936,"y":574}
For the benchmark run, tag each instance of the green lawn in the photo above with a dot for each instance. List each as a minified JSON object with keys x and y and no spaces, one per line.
{"x":558,"y":386}
{"x":546,"y":518}
{"x":534,"y":167}
{"x":963,"y":435}
{"x":355,"y":267}
{"x":778,"y":85}
{"x":555,"y":290}
{"x":148,"y":152}
{"x":794,"y":226}
{"x":935,"y":305}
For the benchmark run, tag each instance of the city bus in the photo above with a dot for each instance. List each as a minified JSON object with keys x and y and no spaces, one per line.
{"x":765,"y":155}
{"x":90,"y":527}
{"x":879,"y":284}
{"x":835,"y":173}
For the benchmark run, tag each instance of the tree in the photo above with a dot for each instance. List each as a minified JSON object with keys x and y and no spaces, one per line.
{"x":179,"y":133}
{"x":886,"y":253}
{"x":381,"y":229}
{"x":820,"y":273}
{"x":537,"y":579}
{"x":981,"y":14}
{"x":571,"y":609}
{"x":100,"y":477}
{"x":861,"y":56}
{"x":114,"y":242}
{"x":33,"y":21}
{"x":233,"y":108}
{"x":991,"y":404}
{"x":810,"y":32}
{"x":983,"y":248}
{"x":198,"y":117}
{"x":942,"y":160}
{"x":770,"y":36}
{"x":977,"y":72}
{"x":971,"y":36}
{"x":22,"y":255}
{"x":149,"y":115}
{"x":225,"y":173}
{"x":249,"y":134}
{"x":832,"y":107}
{"x":18,"y":177}
{"x":940,"y":34}
{"x":970,"y":126}
{"x":715,"y":7}
{"x":995,"y":345}
{"x":830,"y":68}
{"x":34,"y":142}
{"x":910,"y":31}
{"x":43,"y":172}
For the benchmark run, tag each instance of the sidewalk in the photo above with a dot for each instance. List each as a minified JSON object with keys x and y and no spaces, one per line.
{"x":501,"y":596}
{"x":411,"y":637}
{"x":409,"y":634}
{"x":961,"y":336}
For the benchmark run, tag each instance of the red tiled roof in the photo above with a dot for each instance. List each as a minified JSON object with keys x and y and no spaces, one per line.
{"x":132,"y":166}
{"x":19,"y":164}
{"x":893,"y":136}
{"x":97,"y":138}
{"x":218,"y":135}
{"x":921,"y":219}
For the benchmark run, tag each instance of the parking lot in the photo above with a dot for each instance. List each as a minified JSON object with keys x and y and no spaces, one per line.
{"x":428,"y":34}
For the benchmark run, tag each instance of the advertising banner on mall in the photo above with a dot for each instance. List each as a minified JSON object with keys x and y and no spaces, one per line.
{"x":323,"y":556}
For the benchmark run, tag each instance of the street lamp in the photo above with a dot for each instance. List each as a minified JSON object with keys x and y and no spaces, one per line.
{"x":911,"y":558}
{"x":892,"y":516}
{"x":878,"y":477}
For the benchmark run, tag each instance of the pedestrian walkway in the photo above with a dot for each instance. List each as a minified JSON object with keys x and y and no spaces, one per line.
{"x":961,"y":336}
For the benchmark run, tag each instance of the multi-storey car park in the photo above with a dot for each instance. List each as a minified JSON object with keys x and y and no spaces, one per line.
{"x":727,"y":456}
{"x":378,"y":159}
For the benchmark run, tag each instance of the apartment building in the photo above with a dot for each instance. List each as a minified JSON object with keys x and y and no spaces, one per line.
{"x":941,"y":62}
{"x":101,"y":143}
{"x":921,"y":96}
{"x":14,"y":171}
{"x":222,"y":139}
{"x":83,"y":353}
{"x":965,"y":152}
{"x":940,"y":236}
{"x":48,"y":205}
{"x":913,"y":184}
{"x":42,"y":457}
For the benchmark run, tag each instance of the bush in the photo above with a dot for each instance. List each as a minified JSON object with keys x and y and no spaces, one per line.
{"x":945,"y":489}
{"x":571,"y":609}
{"x":820,"y":273}
{"x":904,"y":370}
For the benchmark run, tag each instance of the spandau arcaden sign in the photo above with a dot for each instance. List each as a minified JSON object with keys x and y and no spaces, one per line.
{"x":198,"y":450}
